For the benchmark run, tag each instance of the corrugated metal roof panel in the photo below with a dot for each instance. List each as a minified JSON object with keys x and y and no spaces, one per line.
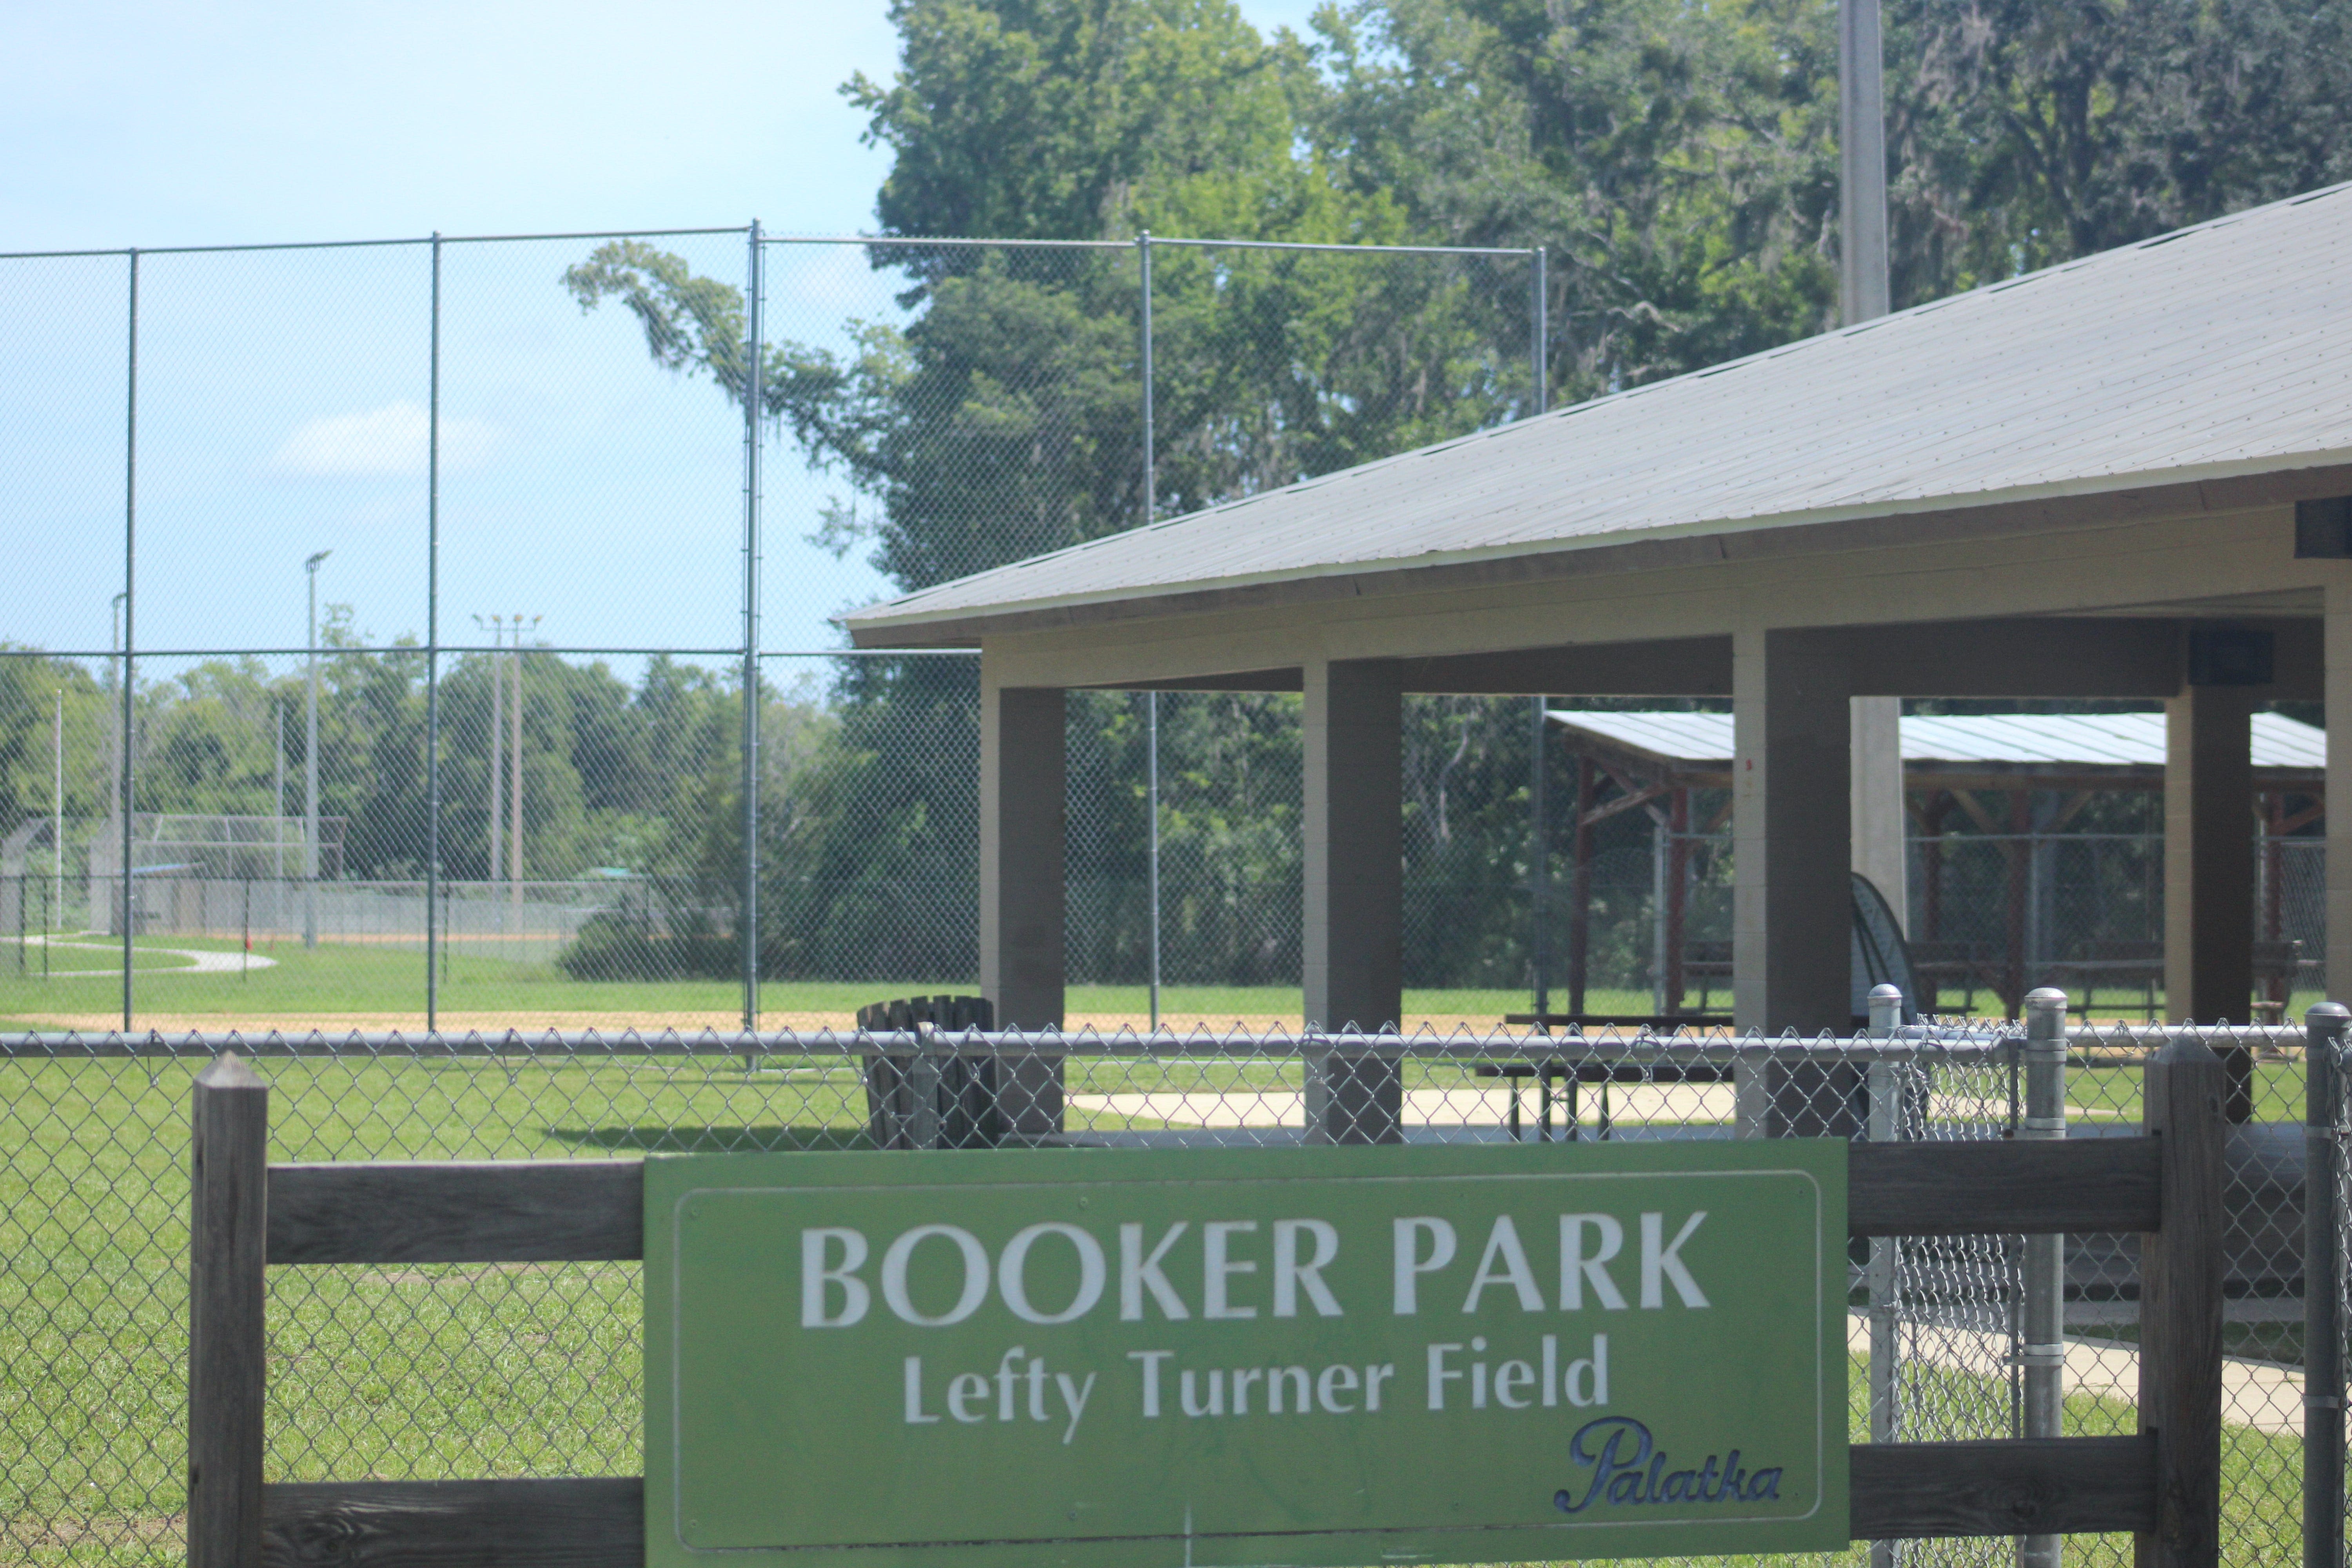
{"x":2089,"y":740}
{"x":2224,"y":349}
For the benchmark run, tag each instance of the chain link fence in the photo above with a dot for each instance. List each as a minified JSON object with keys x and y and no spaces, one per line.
{"x":455,"y":1371}
{"x":493,"y":774}
{"x":573,"y":515}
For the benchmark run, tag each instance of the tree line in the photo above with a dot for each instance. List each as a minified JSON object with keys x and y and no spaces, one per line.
{"x":1678,"y":164}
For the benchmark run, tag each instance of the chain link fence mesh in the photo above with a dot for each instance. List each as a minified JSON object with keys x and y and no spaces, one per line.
{"x":424,"y":1371}
{"x":926,"y":411}
{"x":455,"y":1371}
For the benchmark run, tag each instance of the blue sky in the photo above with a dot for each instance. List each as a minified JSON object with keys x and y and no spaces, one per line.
{"x":281,"y":397}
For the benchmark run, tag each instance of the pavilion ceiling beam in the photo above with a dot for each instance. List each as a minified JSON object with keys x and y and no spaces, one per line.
{"x":2057,"y":656}
{"x":1668,"y":667}
{"x":1625,"y":802}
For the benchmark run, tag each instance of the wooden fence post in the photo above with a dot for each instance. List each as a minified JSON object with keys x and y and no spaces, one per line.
{"x":2183,"y":1107}
{"x":227,"y":1238}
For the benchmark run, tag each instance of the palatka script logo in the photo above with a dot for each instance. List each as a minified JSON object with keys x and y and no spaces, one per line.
{"x":1629,"y":1469}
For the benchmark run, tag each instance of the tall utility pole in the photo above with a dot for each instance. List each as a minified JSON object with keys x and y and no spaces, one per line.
{"x":311,"y":769}
{"x":505,"y":789}
{"x":497,"y":724}
{"x":1876,"y":786}
{"x":514,"y":760}
{"x":278,"y":832}
{"x":113,"y":672}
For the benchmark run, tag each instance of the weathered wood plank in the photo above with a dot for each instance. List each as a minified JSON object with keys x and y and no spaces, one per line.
{"x":1900,"y":1491}
{"x":522,"y":1211}
{"x":577,"y":1522}
{"x":2180,"y":1307}
{"x":497,"y":1211}
{"x":1995,"y":1188}
{"x":2026,"y":1486}
{"x":229,"y":1170}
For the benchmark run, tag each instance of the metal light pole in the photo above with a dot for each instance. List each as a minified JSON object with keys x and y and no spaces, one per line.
{"x":514,"y":814}
{"x":492,"y":873}
{"x":118,"y":769}
{"x":311,"y":769}
{"x":56,"y":819}
{"x":113,"y":673}
{"x":278,"y":830}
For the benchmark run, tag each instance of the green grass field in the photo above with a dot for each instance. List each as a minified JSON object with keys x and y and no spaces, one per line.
{"x":461,"y":1370}
{"x":350,"y":981}
{"x":354,"y":985}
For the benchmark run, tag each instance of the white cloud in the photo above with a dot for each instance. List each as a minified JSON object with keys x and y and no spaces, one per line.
{"x":387,"y":440}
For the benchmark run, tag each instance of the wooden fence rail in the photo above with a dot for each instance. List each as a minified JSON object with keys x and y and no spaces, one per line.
{"x":2163,"y":1485}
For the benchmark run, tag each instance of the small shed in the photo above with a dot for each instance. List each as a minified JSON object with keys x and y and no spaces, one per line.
{"x":1986,"y":769}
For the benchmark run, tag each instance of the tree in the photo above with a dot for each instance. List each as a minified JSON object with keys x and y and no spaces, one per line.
{"x":2024,"y":134}
{"x":1678,"y":163}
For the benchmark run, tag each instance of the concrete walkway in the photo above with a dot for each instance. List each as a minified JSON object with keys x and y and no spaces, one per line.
{"x":201,"y":961}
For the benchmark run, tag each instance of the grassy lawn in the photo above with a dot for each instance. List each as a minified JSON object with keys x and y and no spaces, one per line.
{"x":2105,"y":1093}
{"x":383,"y":986}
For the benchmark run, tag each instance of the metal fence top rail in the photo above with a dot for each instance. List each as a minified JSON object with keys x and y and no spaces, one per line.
{"x":126,"y":250}
{"x":379,"y":649}
{"x":1537,"y":1051}
{"x":1501,"y":1045}
{"x":868,"y":239}
{"x":924,"y":240}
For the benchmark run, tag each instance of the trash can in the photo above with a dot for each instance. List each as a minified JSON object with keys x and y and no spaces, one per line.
{"x":935,"y":1098}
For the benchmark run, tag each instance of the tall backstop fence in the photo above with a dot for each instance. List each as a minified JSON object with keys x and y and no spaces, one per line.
{"x":462,"y":604}
{"x":441,"y":629}
{"x":422,"y":1368}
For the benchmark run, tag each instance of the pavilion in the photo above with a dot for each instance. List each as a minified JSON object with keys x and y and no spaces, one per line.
{"x":2124,"y":477}
{"x":1986,"y":770}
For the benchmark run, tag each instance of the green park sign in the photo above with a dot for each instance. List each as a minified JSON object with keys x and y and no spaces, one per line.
{"x":1233,"y":1356}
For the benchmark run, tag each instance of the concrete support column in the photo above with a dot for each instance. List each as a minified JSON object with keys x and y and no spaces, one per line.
{"x":1352,"y":964}
{"x":1792,"y":909}
{"x":1880,"y":823}
{"x":2338,"y":716}
{"x":2209,"y":856}
{"x":1022,"y":897}
{"x":1353,"y":968}
{"x":1792,"y":900}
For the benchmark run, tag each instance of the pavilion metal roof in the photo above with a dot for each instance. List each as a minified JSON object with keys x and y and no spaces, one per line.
{"x":2000,"y":740}
{"x":2214,"y":352}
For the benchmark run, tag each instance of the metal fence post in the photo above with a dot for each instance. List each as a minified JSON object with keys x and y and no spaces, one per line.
{"x":752,"y":413}
{"x":2043,"y":1353}
{"x":2181,"y":1305}
{"x":1151,"y":699}
{"x":130,"y":600}
{"x":433,"y":934}
{"x":2323,"y":1287}
{"x":1886,"y":1127}
{"x":1539,"y":865}
{"x":227,"y":1224}
{"x":1540,"y":332}
{"x":1538,"y":828}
